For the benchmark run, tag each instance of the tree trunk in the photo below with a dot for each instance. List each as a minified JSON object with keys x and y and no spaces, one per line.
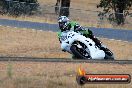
{"x":64,"y":10}
{"x":57,"y":7}
{"x":119,"y":12}
{"x":119,"y":17}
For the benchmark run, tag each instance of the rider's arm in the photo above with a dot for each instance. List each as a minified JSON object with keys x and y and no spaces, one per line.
{"x":86,"y":32}
{"x":72,"y":25}
{"x":82,"y":30}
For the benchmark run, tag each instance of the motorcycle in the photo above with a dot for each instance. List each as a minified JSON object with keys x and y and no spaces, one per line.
{"x":82,"y":47}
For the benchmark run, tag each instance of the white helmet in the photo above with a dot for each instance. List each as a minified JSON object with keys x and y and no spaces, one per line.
{"x":63,"y":21}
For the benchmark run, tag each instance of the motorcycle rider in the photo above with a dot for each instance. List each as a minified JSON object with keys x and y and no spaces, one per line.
{"x":66,"y":25}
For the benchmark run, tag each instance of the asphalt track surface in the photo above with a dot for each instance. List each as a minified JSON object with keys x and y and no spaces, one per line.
{"x":118,"y":34}
{"x":64,"y":60}
{"x":125,"y":35}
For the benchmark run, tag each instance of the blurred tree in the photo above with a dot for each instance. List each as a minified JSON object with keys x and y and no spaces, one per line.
{"x":19,"y":7}
{"x":119,"y":7}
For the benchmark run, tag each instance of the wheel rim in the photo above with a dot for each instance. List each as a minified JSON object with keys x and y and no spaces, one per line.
{"x":84,"y":50}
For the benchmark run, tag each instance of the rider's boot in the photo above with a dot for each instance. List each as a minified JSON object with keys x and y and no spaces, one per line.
{"x":99,"y":44}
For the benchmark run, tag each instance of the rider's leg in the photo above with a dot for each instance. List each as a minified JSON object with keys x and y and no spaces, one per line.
{"x":97,"y":41}
{"x":99,"y":44}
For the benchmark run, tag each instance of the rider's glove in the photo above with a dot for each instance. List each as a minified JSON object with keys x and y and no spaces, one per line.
{"x":77,"y":28}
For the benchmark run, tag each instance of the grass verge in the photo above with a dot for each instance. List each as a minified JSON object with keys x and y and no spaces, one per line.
{"x":57,"y":75}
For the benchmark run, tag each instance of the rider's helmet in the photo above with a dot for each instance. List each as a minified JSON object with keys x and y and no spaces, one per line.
{"x":63,"y":21}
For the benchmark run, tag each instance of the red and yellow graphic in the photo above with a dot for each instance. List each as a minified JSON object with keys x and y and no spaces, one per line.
{"x":83,"y":78}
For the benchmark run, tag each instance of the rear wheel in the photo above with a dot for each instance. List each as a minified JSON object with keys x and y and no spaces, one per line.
{"x":80,"y":50}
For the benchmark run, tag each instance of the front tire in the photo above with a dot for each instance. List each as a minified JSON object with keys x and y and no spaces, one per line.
{"x":77,"y":54}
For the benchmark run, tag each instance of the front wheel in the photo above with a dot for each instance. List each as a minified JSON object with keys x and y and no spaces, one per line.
{"x":81,"y":53}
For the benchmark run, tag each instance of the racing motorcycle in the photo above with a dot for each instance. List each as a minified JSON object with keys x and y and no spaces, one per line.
{"x":82,"y":47}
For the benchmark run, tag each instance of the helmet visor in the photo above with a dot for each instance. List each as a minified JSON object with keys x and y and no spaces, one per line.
{"x":61,"y":25}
